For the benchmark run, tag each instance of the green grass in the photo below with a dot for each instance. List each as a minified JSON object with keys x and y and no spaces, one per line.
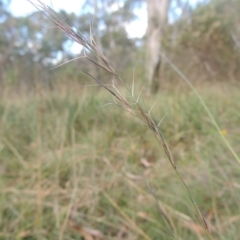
{"x":64,"y":156}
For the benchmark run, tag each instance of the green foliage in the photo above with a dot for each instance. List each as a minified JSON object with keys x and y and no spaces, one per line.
{"x":30,"y":46}
{"x":207,"y":34}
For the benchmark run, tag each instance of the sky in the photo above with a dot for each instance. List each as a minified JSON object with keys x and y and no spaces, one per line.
{"x":136,"y":28}
{"x":23,"y":7}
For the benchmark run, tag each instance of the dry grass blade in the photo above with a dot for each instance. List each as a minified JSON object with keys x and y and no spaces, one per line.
{"x":132,"y":223}
{"x":133,"y":107}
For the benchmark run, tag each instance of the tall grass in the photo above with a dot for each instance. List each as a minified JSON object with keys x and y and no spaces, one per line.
{"x":68,"y":135}
{"x":132,"y":105}
{"x":95,"y":161}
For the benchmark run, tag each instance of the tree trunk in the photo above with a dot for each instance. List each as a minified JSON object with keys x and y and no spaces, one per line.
{"x":157,"y":19}
{"x":96,"y":34}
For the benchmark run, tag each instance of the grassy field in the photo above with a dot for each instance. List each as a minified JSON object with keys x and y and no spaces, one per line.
{"x":72,"y":169}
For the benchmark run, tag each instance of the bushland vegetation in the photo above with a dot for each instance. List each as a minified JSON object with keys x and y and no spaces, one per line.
{"x":76,"y":166}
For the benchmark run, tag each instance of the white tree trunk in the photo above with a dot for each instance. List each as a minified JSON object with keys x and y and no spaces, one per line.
{"x":157,"y":19}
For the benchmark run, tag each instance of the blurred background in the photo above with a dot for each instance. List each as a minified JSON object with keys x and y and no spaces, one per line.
{"x":73,"y":169}
{"x":202,"y":37}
